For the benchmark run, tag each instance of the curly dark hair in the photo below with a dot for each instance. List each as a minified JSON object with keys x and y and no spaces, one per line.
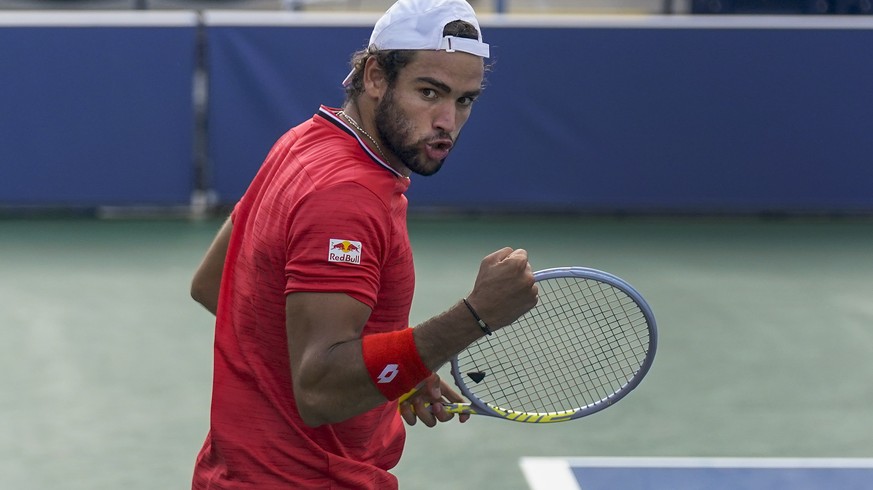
{"x":393,"y":60}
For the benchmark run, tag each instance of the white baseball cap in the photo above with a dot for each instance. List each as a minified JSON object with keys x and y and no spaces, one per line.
{"x":419,"y":24}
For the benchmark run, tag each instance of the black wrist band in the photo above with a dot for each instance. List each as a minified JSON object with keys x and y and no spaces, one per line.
{"x":481,"y":322}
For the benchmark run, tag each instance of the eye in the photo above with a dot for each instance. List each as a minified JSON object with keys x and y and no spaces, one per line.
{"x":429,"y":93}
{"x":466,"y":101}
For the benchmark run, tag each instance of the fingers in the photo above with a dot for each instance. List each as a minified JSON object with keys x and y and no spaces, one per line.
{"x":415,"y":404}
{"x":416,"y":409}
{"x":517,"y":254}
{"x":506,"y":254}
{"x":427,"y":403}
{"x":407,"y":413}
{"x":453,"y":397}
{"x":449,"y":393}
{"x":505,"y":288}
{"x":429,"y":412}
{"x":498,"y":255}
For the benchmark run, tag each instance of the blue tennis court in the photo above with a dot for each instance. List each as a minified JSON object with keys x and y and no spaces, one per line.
{"x":697,"y":473}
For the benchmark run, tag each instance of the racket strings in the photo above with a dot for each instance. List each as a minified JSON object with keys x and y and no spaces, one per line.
{"x":582,"y":343}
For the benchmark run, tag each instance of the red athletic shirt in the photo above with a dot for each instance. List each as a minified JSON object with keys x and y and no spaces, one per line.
{"x":322,"y":214}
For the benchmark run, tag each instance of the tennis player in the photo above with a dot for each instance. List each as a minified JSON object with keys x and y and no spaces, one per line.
{"x":311,"y":278}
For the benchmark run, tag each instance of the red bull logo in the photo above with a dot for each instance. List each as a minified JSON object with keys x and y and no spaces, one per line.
{"x":341,"y":250}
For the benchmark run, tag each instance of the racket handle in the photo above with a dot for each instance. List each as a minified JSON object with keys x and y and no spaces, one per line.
{"x":407,"y":395}
{"x":460,"y":408}
{"x":457,"y":408}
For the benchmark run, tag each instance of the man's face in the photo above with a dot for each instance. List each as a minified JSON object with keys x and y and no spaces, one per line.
{"x":420,"y":116}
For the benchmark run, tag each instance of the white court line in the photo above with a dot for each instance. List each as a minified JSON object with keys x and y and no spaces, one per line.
{"x":720,"y":462}
{"x":557,"y":474}
{"x":548,"y":474}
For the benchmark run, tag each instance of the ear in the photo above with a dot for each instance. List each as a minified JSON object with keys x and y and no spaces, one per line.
{"x":375,"y":82}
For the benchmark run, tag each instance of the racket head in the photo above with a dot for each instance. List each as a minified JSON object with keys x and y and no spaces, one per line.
{"x":589,"y":341}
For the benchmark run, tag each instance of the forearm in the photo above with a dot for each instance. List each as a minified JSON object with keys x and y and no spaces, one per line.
{"x":207,"y":279}
{"x":337,"y":384}
{"x":503,"y":291}
{"x":443,"y":336}
{"x":348,"y":388}
{"x":336,"y":374}
{"x":208,"y":298}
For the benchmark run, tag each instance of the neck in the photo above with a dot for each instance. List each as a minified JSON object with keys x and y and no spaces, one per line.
{"x":352,"y":114}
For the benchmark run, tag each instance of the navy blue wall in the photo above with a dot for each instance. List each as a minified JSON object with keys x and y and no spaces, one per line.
{"x":676,"y":119}
{"x":95,"y":116}
{"x":673,"y":116}
{"x":263,"y":81}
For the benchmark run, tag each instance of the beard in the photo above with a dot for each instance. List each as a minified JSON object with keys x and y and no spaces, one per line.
{"x":396,"y":131}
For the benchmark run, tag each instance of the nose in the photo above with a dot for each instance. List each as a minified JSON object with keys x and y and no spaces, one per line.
{"x":445,"y":118}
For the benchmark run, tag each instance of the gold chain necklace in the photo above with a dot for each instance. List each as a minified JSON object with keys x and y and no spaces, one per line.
{"x":354,"y":123}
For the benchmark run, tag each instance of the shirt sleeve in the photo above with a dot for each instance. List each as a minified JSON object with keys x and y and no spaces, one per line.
{"x":337,"y":242}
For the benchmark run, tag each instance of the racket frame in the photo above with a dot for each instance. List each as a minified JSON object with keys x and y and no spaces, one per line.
{"x":478,"y":406}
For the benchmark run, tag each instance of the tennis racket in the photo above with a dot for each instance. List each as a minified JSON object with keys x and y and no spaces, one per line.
{"x":587,"y":343}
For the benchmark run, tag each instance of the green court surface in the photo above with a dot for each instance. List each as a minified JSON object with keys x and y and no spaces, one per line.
{"x":766,"y":345}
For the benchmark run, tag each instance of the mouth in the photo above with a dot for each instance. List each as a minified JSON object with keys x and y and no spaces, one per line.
{"x":438,"y":149}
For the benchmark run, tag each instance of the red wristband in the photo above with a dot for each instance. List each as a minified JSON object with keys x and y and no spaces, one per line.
{"x":393,"y":362}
